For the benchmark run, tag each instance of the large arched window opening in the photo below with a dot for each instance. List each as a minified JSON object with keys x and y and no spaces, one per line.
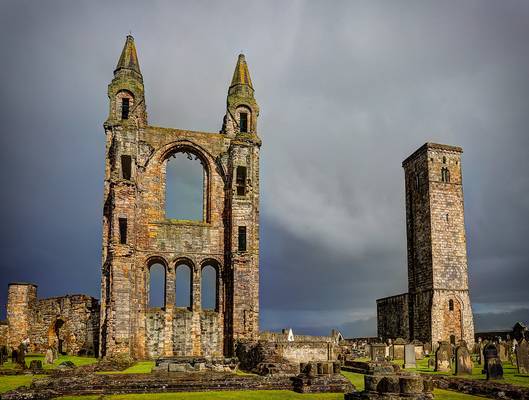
{"x":157,"y":285}
{"x":183,"y":286}
{"x":208,"y":288}
{"x":185,"y":187}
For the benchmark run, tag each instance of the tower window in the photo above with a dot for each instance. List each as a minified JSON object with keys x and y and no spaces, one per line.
{"x":240,"y":181}
{"x":444,"y":160}
{"x":445,"y":175}
{"x":242,"y":238}
{"x":125,"y":108}
{"x":123,"y":230}
{"x":450,"y":305}
{"x":446,"y":217}
{"x":243,"y":122}
{"x":126,"y":163}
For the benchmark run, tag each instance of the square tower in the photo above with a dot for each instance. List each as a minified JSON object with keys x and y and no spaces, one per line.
{"x":439,"y":302}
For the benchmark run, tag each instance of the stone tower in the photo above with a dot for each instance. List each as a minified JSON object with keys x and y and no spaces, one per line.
{"x":439,"y":302}
{"x":137,"y":233}
{"x":21,"y":304}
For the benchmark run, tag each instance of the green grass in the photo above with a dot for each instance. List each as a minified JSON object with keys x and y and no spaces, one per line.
{"x":250,"y":395}
{"x":141,"y":367}
{"x":77,"y":360}
{"x":10,"y":382}
{"x":510,"y":372}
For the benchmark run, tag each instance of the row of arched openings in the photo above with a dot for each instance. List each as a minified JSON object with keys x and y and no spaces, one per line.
{"x":183,"y":286}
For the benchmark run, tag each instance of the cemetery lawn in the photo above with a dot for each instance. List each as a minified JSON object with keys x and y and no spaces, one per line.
{"x":141,"y":367}
{"x":10,"y":382}
{"x":77,"y":360}
{"x":510,"y":372}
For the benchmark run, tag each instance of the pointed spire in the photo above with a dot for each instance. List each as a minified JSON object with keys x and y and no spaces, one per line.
{"x":129,"y":58}
{"x":241,"y":75}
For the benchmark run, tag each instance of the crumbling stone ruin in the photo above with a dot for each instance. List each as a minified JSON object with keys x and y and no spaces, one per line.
{"x":68,"y":324}
{"x":138,"y":234}
{"x":437,"y":306}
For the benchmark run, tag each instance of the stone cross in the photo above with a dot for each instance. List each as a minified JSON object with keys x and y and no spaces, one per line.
{"x":409,"y":356}
{"x":442,"y":357}
{"x":522,"y":357}
{"x":463,"y":361}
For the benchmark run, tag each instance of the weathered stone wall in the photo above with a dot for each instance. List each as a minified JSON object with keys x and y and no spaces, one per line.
{"x":69,"y":323}
{"x":128,"y":324}
{"x":21,"y":301}
{"x":392,"y":317}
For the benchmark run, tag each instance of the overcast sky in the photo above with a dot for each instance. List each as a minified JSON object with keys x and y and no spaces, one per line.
{"x":347,"y":90}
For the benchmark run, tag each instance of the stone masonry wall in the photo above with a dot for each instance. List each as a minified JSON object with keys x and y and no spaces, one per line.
{"x":69,"y":323}
{"x":128,"y":324}
{"x":392,"y":317}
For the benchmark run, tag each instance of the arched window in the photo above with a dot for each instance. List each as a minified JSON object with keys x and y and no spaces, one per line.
{"x":124,"y":104}
{"x":445,"y":175}
{"x":450,"y":305}
{"x":183,"y":286}
{"x":444,"y":160}
{"x":245,"y":119}
{"x":185,"y":179}
{"x":208,"y":288}
{"x":157,"y":285}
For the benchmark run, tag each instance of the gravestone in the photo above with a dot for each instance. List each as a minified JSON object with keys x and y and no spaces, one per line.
{"x":476,"y":352}
{"x":493,"y":367}
{"x":3,"y":355}
{"x":21,"y":355}
{"x":427,"y":348}
{"x":503,"y":351}
{"x":419,"y":349}
{"x":378,"y":352}
{"x":442,"y":357}
{"x":49,"y":359}
{"x":431,"y":362}
{"x":35,"y":365}
{"x":14,"y":356}
{"x":518,"y":331}
{"x":398,"y":349}
{"x":409,"y":356}
{"x":522,"y":357}
{"x":463,"y":361}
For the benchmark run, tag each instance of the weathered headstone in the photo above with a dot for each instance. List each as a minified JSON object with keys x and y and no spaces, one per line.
{"x":3,"y":355}
{"x":431,"y":362}
{"x":463,"y":361}
{"x":378,"y":352}
{"x":409,"y":356}
{"x":503,"y":351}
{"x":419,"y":349}
{"x":522,"y":357}
{"x":427,"y":348}
{"x":493,"y":367}
{"x":398,"y":349}
{"x":442,"y":357}
{"x":35,"y":365}
{"x":14,"y":356}
{"x":518,"y":331}
{"x":49,"y":359}
{"x":21,"y":355}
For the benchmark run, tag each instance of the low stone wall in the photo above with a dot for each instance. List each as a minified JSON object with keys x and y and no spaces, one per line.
{"x":491,"y":389}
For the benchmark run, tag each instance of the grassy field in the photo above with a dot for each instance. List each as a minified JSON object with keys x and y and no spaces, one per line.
{"x":77,"y":360}
{"x":510,"y":372}
{"x":10,"y":382}
{"x":141,"y":367}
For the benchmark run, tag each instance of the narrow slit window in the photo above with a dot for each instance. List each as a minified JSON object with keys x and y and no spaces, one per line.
{"x":126,"y":166}
{"x":243,"y":122}
{"x":450,"y":305}
{"x":242,"y":238}
{"x":240,"y":181}
{"x":123,"y":230}
{"x":125,"y":106}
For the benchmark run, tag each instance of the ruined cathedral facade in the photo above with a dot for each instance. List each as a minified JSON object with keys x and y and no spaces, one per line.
{"x":437,"y":306}
{"x":137,"y":233}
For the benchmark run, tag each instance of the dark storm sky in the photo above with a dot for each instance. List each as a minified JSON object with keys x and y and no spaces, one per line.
{"x":347,"y":90}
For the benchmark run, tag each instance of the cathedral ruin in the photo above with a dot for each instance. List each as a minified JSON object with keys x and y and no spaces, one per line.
{"x":139,"y":236}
